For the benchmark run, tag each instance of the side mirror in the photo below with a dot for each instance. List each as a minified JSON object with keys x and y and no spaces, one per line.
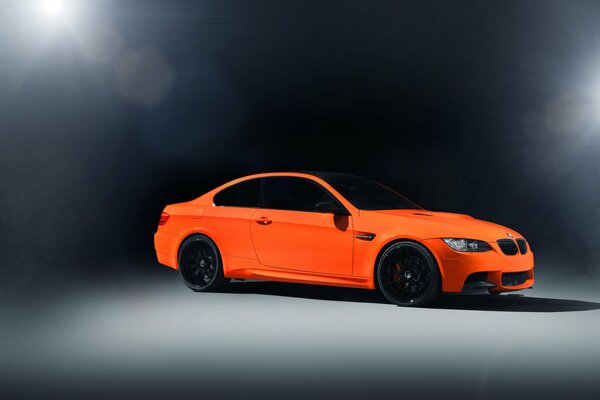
{"x":330,"y":207}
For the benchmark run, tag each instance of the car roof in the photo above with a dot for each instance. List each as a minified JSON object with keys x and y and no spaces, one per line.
{"x":324,"y":175}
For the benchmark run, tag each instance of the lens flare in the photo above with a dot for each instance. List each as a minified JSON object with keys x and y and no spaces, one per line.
{"x":53,"y":9}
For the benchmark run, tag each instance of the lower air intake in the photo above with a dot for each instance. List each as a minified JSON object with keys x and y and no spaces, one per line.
{"x":514,"y":278}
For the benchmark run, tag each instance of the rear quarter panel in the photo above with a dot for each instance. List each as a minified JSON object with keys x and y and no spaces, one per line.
{"x":228,"y":227}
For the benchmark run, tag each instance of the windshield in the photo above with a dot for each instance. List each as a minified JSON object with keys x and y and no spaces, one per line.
{"x":366,"y":194}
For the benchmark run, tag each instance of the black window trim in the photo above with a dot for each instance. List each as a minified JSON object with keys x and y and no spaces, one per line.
{"x":261,"y":198}
{"x":260,"y":193}
{"x":343,"y":208}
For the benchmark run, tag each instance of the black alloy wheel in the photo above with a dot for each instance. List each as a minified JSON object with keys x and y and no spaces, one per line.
{"x":408,"y":275}
{"x":200,"y":264}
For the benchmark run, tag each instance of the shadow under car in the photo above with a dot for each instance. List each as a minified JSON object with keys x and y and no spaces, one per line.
{"x":505,"y":302}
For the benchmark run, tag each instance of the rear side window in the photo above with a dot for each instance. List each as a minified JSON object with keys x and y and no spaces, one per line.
{"x":243,"y":194}
{"x":296,"y":194}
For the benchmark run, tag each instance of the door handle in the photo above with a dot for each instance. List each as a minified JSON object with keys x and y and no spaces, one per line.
{"x":263,"y":221}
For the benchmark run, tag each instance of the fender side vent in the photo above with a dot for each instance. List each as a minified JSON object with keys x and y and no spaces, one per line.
{"x":365,"y":236}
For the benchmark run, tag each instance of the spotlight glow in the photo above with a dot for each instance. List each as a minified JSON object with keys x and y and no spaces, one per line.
{"x":53,"y":9}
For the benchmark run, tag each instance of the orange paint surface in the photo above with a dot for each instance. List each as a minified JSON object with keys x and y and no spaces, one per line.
{"x":322,"y":248}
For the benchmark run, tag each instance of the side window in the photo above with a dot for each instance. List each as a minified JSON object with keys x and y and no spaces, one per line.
{"x":243,"y":194}
{"x":296,"y":194}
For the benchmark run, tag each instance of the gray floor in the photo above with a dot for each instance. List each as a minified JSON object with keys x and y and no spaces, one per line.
{"x":155,"y":338}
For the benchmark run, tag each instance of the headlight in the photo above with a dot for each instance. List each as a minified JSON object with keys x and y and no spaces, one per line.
{"x":467,"y":245}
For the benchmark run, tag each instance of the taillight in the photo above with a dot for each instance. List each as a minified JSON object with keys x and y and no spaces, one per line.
{"x":164,"y":217}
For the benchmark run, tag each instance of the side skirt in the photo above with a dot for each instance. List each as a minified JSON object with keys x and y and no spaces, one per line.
{"x":251,"y":269}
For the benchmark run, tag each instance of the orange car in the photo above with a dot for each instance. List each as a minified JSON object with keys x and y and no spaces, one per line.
{"x":340,"y":230}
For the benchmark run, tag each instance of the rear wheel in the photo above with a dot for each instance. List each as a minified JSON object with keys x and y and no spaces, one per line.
{"x":408,"y":275}
{"x":200,"y":264}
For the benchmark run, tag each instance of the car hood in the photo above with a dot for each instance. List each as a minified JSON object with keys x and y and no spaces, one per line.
{"x":435,"y":224}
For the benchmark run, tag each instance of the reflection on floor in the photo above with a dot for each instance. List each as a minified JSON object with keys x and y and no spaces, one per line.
{"x":155,"y":338}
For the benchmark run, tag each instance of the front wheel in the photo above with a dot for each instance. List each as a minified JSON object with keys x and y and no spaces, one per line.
{"x":200,"y":264}
{"x":408,"y":275}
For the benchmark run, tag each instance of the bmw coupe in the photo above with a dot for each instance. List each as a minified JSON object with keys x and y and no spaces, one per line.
{"x":341,"y":230}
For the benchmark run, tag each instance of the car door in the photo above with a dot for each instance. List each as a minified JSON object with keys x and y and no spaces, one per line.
{"x":288,"y":231}
{"x":228,"y":222}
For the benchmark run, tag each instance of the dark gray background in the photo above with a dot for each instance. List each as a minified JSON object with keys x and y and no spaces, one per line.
{"x":485,"y":108}
{"x":490,"y":108}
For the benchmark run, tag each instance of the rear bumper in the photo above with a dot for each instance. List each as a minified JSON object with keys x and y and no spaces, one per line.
{"x":501,"y":272}
{"x":165,"y":244}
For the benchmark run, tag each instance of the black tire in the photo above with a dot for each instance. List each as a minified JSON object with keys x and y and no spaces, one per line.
{"x":200,"y":264}
{"x":408,"y":275}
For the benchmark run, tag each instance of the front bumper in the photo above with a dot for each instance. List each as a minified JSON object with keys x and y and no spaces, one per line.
{"x":502,"y":272}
